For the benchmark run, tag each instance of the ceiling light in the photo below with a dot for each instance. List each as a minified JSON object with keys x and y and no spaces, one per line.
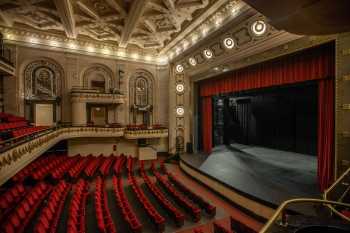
{"x":229,"y":43}
{"x":135,"y":55}
{"x":208,"y":53}
{"x":180,"y":111}
{"x":258,"y":27}
{"x":90,"y":49}
{"x":106,"y":51}
{"x":179,"y":68}
{"x":72,"y":45}
{"x":53,"y":43}
{"x":180,"y":88}
{"x":192,"y":61}
{"x":33,"y":40}
{"x":216,"y":68}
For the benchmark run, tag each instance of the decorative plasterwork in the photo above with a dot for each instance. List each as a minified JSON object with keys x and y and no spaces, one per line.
{"x":149,"y":133}
{"x":97,"y":98}
{"x":221,"y":13}
{"x":246,"y":45}
{"x":45,"y":40}
{"x":145,"y":23}
{"x":153,"y":28}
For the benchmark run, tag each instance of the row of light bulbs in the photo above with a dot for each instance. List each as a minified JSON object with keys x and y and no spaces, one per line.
{"x":91,"y":49}
{"x":258,"y":28}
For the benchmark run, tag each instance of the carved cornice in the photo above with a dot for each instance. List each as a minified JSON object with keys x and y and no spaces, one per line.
{"x":97,"y":98}
{"x":84,"y":46}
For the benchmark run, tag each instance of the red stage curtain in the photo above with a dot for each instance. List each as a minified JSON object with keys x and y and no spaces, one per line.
{"x":325,"y":144}
{"x":207,"y":124}
{"x":311,"y":64}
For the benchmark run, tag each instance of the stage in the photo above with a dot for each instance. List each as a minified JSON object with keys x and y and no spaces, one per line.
{"x":264,"y":175}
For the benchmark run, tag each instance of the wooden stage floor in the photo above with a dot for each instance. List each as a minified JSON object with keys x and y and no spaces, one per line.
{"x":266,"y":175}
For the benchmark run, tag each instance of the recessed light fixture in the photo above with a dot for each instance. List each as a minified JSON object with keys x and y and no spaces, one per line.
{"x":72,"y":45}
{"x":229,"y":43}
{"x":180,"y":111}
{"x":216,"y":68}
{"x":180,"y":88}
{"x":192,"y":61}
{"x":179,"y":68}
{"x":208,"y":53}
{"x":258,"y":27}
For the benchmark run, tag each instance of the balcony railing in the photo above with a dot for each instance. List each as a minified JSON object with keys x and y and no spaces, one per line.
{"x":83,"y":94}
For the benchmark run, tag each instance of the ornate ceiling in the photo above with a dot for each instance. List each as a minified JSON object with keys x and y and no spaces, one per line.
{"x":148,"y":24}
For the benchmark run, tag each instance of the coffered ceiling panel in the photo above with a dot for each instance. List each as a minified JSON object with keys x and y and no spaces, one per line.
{"x":150,"y":24}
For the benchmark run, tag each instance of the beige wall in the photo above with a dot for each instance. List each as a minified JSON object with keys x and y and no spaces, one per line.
{"x":97,"y":146}
{"x":73,"y":66}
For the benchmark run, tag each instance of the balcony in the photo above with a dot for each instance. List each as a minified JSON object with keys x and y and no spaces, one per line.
{"x":85,"y":95}
{"x":137,"y":133}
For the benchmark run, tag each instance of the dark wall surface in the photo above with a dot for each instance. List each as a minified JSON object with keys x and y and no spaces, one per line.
{"x":283,"y":118}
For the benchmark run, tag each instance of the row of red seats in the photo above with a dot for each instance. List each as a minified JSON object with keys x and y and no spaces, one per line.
{"x":198,"y":230}
{"x":19,"y":218}
{"x":46,"y":169}
{"x":128,"y":213}
{"x":209,"y":209}
{"x":171,"y":209}
{"x":29,"y":169}
{"x":77,"y":209}
{"x":239,"y":227}
{"x":181,"y":199}
{"x":92,"y":166}
{"x":12,"y":125}
{"x":119,"y":164}
{"x":27,"y":131}
{"x":151,"y":211}
{"x":106,"y":165}
{"x":218,"y":228}
{"x":7,"y":117}
{"x":10,"y":198}
{"x":63,"y":168}
{"x":47,"y":221}
{"x":75,"y":171}
{"x":104,"y":218}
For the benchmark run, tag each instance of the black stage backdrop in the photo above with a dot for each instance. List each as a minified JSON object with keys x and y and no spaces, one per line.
{"x":283,"y":118}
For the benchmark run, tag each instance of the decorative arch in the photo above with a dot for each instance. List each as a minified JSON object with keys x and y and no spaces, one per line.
{"x":142,"y":96}
{"x":98,"y":73}
{"x":43,"y":79}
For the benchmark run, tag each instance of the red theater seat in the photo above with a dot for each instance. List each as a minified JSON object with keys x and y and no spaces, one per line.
{"x":179,"y":198}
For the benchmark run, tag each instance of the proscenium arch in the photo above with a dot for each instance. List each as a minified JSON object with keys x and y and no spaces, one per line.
{"x":101,"y":71}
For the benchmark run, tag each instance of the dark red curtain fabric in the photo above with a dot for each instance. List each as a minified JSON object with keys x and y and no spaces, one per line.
{"x":207,"y":124}
{"x":311,"y":64}
{"x":325,"y":144}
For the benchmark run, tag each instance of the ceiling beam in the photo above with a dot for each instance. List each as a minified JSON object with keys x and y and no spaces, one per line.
{"x":117,"y":5}
{"x":6,"y":18}
{"x":131,"y":21}
{"x":65,"y":11}
{"x":88,"y":10}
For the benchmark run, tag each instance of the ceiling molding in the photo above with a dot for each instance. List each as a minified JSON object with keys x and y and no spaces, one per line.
{"x":65,"y":10}
{"x":131,"y":21}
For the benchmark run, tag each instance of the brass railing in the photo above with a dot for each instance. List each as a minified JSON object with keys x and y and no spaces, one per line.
{"x":280,"y":212}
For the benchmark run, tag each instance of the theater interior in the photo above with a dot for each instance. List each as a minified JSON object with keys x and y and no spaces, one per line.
{"x":174,"y":116}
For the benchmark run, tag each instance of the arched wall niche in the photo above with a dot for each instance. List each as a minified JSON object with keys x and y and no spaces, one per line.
{"x":142,"y":97}
{"x":98,"y":76}
{"x":43,"y":87}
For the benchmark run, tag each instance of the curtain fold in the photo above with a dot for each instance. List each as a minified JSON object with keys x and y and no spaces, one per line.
{"x":207,"y":124}
{"x":311,"y":64}
{"x":325,"y":143}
